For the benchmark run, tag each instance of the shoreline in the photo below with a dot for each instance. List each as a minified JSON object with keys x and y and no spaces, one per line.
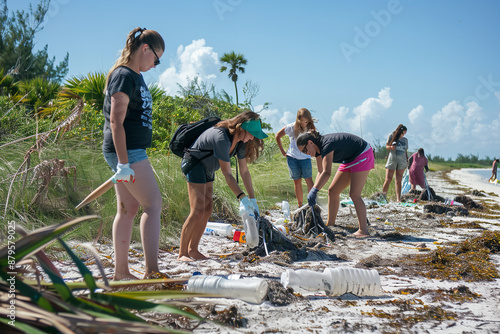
{"x":467,"y":177}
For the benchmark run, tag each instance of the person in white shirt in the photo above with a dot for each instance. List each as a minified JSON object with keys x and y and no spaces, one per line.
{"x":299,"y":164}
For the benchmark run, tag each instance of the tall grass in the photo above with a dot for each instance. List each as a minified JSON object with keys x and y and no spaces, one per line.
{"x":81,"y":148}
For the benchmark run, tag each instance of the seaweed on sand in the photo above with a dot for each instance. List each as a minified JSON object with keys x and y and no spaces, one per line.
{"x":468,"y":260}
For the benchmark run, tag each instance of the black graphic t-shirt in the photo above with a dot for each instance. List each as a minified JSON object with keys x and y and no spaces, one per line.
{"x":138,"y":121}
{"x":346,"y":146}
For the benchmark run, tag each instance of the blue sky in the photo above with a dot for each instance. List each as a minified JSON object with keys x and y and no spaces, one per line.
{"x":360,"y":66}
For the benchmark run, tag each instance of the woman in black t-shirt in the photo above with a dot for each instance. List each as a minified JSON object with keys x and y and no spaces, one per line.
{"x":356,"y":160}
{"x":127,"y":133}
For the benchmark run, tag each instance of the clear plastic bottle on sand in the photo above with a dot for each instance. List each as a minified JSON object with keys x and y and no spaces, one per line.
{"x":449,"y":201}
{"x":251,"y":232}
{"x":222,"y":229}
{"x":285,"y":207}
{"x":252,"y":290}
{"x":335,"y":282}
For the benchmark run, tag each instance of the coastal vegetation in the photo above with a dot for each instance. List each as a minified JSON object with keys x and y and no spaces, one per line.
{"x":51,"y":158}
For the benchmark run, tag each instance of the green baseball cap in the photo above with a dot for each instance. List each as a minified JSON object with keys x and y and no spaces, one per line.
{"x":254,"y":127}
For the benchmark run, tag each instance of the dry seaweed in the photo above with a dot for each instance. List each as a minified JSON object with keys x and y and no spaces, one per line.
{"x":279,"y":296}
{"x":439,"y":208}
{"x":459,"y":294}
{"x":409,"y":313}
{"x":468,"y":260}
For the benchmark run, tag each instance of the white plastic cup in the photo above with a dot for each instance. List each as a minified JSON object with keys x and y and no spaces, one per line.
{"x":222,"y":229}
{"x":282,"y":228}
{"x":335,"y":282}
{"x":252,"y":290}
{"x":251,"y":232}
{"x":285,"y":207}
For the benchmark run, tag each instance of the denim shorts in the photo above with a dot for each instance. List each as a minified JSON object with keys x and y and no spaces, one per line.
{"x":196,"y":172}
{"x":299,"y":169}
{"x":134,"y":156}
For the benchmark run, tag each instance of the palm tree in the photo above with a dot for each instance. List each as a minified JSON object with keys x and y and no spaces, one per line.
{"x":236,"y":62}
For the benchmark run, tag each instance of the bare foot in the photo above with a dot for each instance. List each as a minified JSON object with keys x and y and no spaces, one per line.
{"x":197,"y":255}
{"x":124,"y":277}
{"x":360,"y":234}
{"x":184,"y":258}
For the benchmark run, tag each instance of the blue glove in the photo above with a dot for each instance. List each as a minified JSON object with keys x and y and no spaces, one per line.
{"x":311,"y":197}
{"x":246,"y":206}
{"x":123,"y":173}
{"x":255,"y":206}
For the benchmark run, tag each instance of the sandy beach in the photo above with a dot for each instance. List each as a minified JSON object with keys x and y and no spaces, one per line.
{"x":411,"y":301}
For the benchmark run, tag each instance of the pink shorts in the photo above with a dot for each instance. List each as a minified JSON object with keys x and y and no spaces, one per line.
{"x":365,"y":161}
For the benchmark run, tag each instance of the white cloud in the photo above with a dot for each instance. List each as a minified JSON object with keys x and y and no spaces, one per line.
{"x":196,"y":59}
{"x":277,"y":119}
{"x":461,"y":129}
{"x":415,"y":114}
{"x":497,"y":94}
{"x":360,"y":118}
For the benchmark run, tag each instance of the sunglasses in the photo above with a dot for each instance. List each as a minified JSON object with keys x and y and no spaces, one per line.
{"x":157,"y":61}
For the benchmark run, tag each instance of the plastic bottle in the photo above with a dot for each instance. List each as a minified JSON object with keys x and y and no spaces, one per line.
{"x":208,"y":231}
{"x":449,"y":201}
{"x":335,"y":282}
{"x":252,"y":290}
{"x":251,"y":232}
{"x":285,"y":207}
{"x":222,"y":229}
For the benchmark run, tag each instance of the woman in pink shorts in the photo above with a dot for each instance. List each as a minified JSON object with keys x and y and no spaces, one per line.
{"x":356,"y":160}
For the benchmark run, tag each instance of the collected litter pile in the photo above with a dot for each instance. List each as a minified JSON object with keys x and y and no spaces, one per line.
{"x":301,"y":239}
{"x":308,"y":222}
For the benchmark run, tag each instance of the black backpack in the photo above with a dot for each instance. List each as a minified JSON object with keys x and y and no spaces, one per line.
{"x":186,"y":134}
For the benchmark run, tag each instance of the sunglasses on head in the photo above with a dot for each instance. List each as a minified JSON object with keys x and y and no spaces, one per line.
{"x":157,"y":60}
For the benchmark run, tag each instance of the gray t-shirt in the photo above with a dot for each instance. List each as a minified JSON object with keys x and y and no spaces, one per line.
{"x":218,"y":141}
{"x":401,"y":146}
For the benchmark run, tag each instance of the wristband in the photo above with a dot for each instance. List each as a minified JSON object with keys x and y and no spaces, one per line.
{"x":241,"y":194}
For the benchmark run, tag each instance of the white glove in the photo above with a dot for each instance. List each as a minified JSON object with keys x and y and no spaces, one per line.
{"x":255,"y":206}
{"x":246,"y":206}
{"x":123,"y":173}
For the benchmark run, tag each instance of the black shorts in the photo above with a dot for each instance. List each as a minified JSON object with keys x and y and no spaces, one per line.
{"x":195,"y":171}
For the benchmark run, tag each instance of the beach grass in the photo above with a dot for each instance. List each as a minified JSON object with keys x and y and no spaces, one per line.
{"x":80,"y":149}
